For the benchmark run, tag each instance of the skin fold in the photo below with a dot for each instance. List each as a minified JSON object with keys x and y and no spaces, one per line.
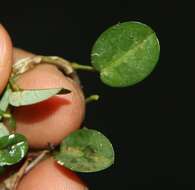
{"x":46,"y":122}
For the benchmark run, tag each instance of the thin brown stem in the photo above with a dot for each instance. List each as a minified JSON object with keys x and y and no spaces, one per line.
{"x":20,"y":174}
{"x":36,"y":161}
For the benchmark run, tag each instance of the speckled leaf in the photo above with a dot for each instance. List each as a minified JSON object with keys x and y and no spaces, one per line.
{"x":125,"y":54}
{"x":3,"y":130}
{"x":27,"y":97}
{"x":13,"y":148}
{"x":4,"y":102}
{"x":86,"y":150}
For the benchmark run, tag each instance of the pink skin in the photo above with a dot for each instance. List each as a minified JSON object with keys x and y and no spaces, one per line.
{"x":52,"y":120}
{"x":51,"y":176}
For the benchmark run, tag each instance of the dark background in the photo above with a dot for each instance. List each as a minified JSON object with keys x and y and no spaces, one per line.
{"x":149,"y":124}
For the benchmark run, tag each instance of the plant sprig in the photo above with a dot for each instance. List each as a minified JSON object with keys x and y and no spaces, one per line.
{"x":124,"y":55}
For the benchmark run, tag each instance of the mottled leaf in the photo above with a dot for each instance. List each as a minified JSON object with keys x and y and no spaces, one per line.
{"x":13,"y":149}
{"x":86,"y":150}
{"x":27,"y":97}
{"x":125,"y":54}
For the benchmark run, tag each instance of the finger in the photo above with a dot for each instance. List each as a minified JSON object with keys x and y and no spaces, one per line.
{"x":55,"y":118}
{"x":5,"y":57}
{"x":20,"y":54}
{"x":51,"y":176}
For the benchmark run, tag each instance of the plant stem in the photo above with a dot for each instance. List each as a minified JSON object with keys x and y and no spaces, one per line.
{"x":77,"y":66}
{"x":92,"y":98}
{"x":12,"y":181}
{"x":20,"y":174}
{"x":13,"y":86}
{"x":36,"y":161}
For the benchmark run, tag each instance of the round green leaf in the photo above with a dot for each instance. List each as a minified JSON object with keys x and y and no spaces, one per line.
{"x":125,"y":54}
{"x":27,"y":97}
{"x":13,"y":148}
{"x":86,"y":150}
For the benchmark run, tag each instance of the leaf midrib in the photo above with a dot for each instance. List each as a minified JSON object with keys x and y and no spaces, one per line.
{"x":118,"y":61}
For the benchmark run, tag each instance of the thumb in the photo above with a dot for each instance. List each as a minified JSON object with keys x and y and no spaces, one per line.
{"x":5,"y":57}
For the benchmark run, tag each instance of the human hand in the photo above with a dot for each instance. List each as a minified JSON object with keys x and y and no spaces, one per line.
{"x":48,"y":117}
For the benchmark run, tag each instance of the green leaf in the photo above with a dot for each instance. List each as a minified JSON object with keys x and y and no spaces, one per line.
{"x":86,"y":150}
{"x":13,"y":149}
{"x":4,"y":102}
{"x":3,"y":130}
{"x":125,"y":54}
{"x":27,"y":97}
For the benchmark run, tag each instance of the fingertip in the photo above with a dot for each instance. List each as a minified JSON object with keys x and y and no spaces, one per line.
{"x":52,"y":120}
{"x":49,"y":175}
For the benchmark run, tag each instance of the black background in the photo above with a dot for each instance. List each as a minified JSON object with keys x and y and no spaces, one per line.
{"x":149,"y":124}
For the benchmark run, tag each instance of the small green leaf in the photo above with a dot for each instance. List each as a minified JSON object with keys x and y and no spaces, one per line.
{"x":86,"y":150}
{"x":4,"y":102}
{"x":27,"y":97}
{"x":125,"y":54}
{"x":3,"y":130}
{"x":13,"y":149}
